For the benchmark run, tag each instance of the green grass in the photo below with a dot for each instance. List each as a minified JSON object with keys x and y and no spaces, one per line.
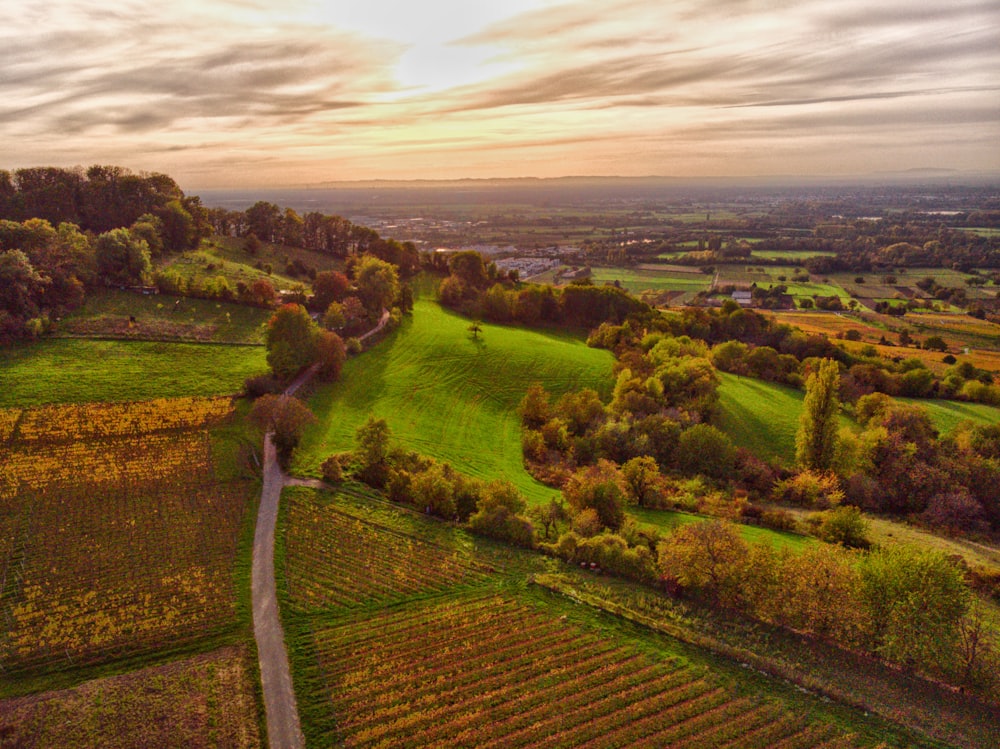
{"x":168,"y":317}
{"x":640,"y":280}
{"x":760,"y":416}
{"x":77,"y":371}
{"x":448,"y":396}
{"x":667,"y":520}
{"x":946,"y":415}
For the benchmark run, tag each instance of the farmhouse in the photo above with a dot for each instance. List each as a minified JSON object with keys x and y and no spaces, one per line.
{"x":743,"y":298}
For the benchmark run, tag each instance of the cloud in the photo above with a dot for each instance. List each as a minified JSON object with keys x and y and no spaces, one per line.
{"x":622,"y":84}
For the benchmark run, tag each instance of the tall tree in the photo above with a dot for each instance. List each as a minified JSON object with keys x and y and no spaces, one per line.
{"x":816,"y":439}
{"x":378,"y":283}
{"x":291,"y":340}
{"x":122,"y":258}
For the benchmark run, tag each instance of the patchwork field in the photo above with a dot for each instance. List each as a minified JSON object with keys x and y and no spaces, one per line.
{"x":200,"y":702}
{"x":451,"y":397}
{"x":116,"y":538}
{"x":83,"y":371}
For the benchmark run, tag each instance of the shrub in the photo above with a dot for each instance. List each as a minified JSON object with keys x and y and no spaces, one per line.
{"x":258,"y":385}
{"x":779,"y":520}
{"x":844,"y":525}
{"x":332,"y":470}
{"x":353,"y":346}
{"x":810,"y":489}
{"x":706,"y":450}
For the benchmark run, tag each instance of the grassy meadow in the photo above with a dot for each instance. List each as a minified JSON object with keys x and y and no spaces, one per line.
{"x":452,"y":397}
{"x":162,"y":317}
{"x":65,"y":370}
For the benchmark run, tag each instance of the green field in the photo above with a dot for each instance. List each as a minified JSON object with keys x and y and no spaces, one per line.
{"x":946,"y":415}
{"x":760,"y":416}
{"x":639,"y":280}
{"x":76,"y":370}
{"x":764,"y":416}
{"x":452,"y":397}
{"x":162,"y":317}
{"x":667,"y":520}
{"x":791,"y":254}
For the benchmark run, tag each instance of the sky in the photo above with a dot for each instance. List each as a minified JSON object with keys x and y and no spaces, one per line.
{"x":247,"y":93}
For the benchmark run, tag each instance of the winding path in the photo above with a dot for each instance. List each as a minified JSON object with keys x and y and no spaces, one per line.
{"x":284,"y":730}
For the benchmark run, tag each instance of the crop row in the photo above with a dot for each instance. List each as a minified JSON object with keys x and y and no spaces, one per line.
{"x":88,"y":421}
{"x":492,"y":672}
{"x":89,"y":575}
{"x":98,"y":464}
{"x":334,"y":559}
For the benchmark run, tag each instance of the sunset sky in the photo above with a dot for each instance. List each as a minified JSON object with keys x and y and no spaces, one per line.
{"x":261,"y":92}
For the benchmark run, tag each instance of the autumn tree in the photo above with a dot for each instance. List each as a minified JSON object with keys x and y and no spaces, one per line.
{"x":815,"y":442}
{"x":285,"y":418}
{"x":598,"y":488}
{"x":329,"y":286}
{"x":642,"y":480}
{"x":916,"y":599}
{"x":500,"y":515}
{"x":709,"y":557}
{"x":330,"y":354}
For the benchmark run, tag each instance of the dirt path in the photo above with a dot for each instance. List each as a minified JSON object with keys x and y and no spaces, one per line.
{"x":283,"y":729}
{"x":281,"y":710}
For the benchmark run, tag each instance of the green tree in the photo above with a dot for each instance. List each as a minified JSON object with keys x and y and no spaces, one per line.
{"x":291,"y":340}
{"x":915,"y":599}
{"x":371,"y":452}
{"x":433,"y":490}
{"x":330,"y":354}
{"x":816,"y":440}
{"x":377,"y":282}
{"x":20,"y":284}
{"x":286,"y":418}
{"x":706,"y":450}
{"x":500,"y":514}
{"x":122,"y":258}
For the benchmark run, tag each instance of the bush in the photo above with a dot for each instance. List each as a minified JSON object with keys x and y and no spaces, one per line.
{"x":258,"y":385}
{"x":779,"y":520}
{"x":844,"y":525}
{"x":810,"y":489}
{"x":706,"y":450}
{"x":332,"y":470}
{"x":353,"y":346}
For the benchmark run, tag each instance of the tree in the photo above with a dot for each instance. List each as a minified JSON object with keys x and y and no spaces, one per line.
{"x":916,"y":599}
{"x":706,"y":450}
{"x":329,"y":286}
{"x":642,"y":479}
{"x":179,"y":227}
{"x":500,"y":515}
{"x":597,"y":487}
{"x":122,"y":258}
{"x":475,"y":328}
{"x":330,"y":354}
{"x":534,"y":407}
{"x":816,"y":440}
{"x":468,"y":267}
{"x":377,"y":282}
{"x":291,"y":340}
{"x":262,"y":292}
{"x":286,"y":418}
{"x":372,"y":451}
{"x":433,"y":491}
{"x":20,"y":284}
{"x":708,"y":556}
